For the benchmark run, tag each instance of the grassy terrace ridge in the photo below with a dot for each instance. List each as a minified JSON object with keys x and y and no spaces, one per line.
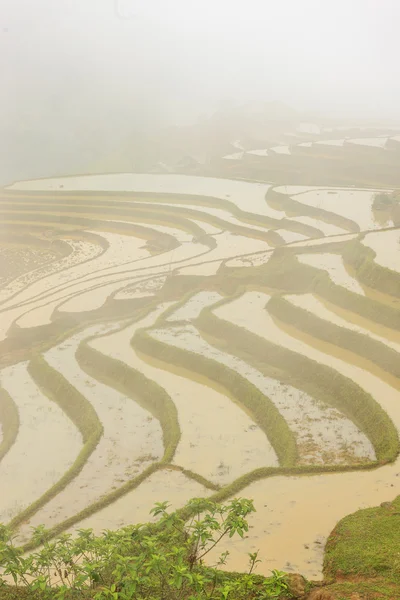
{"x":376,"y":353}
{"x":72,"y":224}
{"x":126,"y":275}
{"x":93,"y":224}
{"x":285,"y":275}
{"x":363,"y":554}
{"x":290,"y":205}
{"x":95,"y":198}
{"x":155,"y":216}
{"x":224,"y":493}
{"x":318,"y":380}
{"x":354,"y":562}
{"x":138,"y":212}
{"x":131,"y":382}
{"x":318,"y":165}
{"x":84,"y":235}
{"x":361,"y":259}
{"x":29,"y":343}
{"x":282,"y":274}
{"x":59,"y":248}
{"x":161,"y":200}
{"x":9,"y":422}
{"x":259,"y":406}
{"x":210,"y":485}
{"x":150,"y":396}
{"x":365,"y":307}
{"x":81,"y":413}
{"x":93,"y":508}
{"x":17,"y":232}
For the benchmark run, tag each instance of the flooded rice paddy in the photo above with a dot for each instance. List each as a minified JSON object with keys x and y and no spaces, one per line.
{"x":355,"y":205}
{"x":334,"y":266}
{"x":386,"y":245}
{"x":322,"y":434}
{"x":120,"y":280}
{"x":317,"y":308}
{"x":220,"y":449}
{"x":46,"y":446}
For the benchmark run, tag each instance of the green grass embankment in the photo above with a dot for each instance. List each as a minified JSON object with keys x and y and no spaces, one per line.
{"x":146,"y":392}
{"x":366,"y":307}
{"x":318,"y":380}
{"x":376,"y":356}
{"x":62,"y":223}
{"x":362,"y":260}
{"x":25,"y":344}
{"x":152,"y":398}
{"x":159,"y":204}
{"x":362,"y":554}
{"x":95,"y":507}
{"x":283,"y":273}
{"x":81,"y":413}
{"x":136,"y":212}
{"x":260,"y":407}
{"x":110,"y":371}
{"x":292,"y":206}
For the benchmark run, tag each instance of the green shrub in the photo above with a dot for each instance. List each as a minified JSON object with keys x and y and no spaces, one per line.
{"x":164,"y":560}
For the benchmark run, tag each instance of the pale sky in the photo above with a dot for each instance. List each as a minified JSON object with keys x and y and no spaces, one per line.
{"x":173,"y":59}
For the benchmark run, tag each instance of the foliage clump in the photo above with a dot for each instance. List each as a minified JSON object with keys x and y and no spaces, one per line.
{"x":156,"y":561}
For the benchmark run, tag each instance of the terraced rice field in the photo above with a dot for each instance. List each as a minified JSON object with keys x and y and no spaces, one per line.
{"x":309,"y":135}
{"x":164,"y":337}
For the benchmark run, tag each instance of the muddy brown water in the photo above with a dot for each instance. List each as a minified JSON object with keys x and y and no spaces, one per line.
{"x":296,"y":514}
{"x":220,"y":448}
{"x":131,"y":440}
{"x":333,"y":264}
{"x":247,"y":196}
{"x":323,"y":434}
{"x":310,"y":303}
{"x":350,"y":203}
{"x":386,"y":245}
{"x":46,"y":446}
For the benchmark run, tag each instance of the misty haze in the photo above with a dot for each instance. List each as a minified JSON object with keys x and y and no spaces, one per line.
{"x":199,"y":299}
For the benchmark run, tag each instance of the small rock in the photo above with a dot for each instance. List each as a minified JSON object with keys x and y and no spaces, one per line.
{"x":386,"y":504}
{"x":297,"y":585}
